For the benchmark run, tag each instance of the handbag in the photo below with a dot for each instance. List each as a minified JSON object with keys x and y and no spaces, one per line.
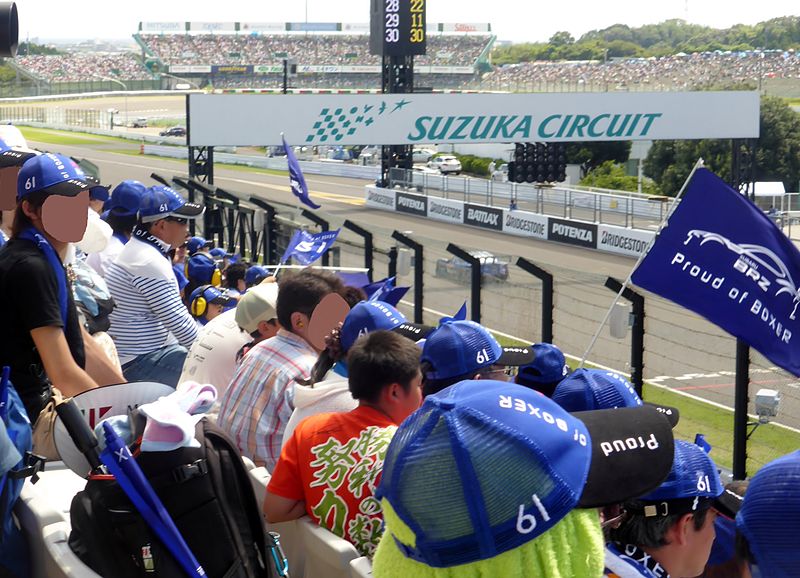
{"x":43,"y":430}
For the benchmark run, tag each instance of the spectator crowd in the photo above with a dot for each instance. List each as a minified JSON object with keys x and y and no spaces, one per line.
{"x":304,"y":49}
{"x":83,"y":67}
{"x":435,"y":450}
{"x":676,"y":72}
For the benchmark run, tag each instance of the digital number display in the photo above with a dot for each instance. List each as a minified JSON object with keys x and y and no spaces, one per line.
{"x":397,"y":27}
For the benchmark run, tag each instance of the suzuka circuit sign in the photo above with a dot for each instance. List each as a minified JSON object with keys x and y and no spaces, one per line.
{"x":233,"y":119}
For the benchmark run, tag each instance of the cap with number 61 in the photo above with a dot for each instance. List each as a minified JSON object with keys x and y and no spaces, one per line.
{"x":52,"y":174}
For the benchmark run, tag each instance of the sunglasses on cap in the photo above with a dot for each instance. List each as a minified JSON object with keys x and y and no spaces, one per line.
{"x":178,"y":220}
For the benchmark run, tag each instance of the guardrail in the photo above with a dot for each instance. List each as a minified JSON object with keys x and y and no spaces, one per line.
{"x":625,"y":208}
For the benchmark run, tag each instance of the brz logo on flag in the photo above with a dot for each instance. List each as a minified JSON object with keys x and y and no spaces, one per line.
{"x":753,"y":262}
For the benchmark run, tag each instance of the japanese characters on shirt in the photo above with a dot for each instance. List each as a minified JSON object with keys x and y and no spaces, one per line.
{"x":353,"y":467}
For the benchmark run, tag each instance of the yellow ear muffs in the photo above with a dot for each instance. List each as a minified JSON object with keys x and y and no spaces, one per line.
{"x":216,"y":278}
{"x":186,"y":268}
{"x":199,"y":306}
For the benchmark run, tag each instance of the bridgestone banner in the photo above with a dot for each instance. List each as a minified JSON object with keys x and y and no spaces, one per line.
{"x":525,"y":224}
{"x":445,"y":210}
{"x":239,"y":120}
{"x":623,"y":241}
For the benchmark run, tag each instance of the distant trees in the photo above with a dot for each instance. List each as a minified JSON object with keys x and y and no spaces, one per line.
{"x":777,"y":152}
{"x":669,"y":37}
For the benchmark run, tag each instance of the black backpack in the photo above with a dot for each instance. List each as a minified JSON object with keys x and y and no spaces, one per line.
{"x":207,"y":492}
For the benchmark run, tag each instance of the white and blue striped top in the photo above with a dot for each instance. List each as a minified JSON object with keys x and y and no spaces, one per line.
{"x":149,"y":313}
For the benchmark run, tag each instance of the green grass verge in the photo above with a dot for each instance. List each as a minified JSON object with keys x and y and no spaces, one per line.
{"x":767,"y":442}
{"x":58,"y":137}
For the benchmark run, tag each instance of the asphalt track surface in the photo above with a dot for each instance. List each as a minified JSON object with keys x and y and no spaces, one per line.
{"x":682,"y":351}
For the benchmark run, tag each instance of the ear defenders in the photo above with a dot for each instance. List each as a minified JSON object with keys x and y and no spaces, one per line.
{"x":198,"y":306}
{"x":197,"y":269}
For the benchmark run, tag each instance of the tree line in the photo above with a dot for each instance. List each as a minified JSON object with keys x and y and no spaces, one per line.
{"x":663,"y":39}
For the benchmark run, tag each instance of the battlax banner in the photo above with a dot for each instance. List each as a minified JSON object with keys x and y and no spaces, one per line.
{"x":723,"y":258}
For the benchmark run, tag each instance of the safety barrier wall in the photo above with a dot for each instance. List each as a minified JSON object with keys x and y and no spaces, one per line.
{"x":600,"y":237}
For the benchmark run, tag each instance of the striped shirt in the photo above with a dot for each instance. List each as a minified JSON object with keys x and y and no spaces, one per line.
{"x":259,"y":401}
{"x":149,"y":313}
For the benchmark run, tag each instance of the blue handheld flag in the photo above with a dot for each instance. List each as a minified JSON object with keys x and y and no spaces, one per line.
{"x":723,"y":258}
{"x":306,"y":248}
{"x":296,"y":179}
{"x":129,"y":476}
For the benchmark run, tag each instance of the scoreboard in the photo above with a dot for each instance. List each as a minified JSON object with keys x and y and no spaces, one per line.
{"x":397,"y":27}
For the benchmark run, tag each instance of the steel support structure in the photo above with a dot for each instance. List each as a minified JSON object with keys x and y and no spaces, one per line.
{"x":743,"y":177}
{"x":397,"y":77}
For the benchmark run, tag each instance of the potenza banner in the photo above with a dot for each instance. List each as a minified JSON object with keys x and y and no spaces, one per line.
{"x":572,"y":233}
{"x":235,"y":119}
{"x":723,"y":258}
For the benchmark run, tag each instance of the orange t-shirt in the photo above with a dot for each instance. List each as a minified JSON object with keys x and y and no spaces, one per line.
{"x":333,"y":462}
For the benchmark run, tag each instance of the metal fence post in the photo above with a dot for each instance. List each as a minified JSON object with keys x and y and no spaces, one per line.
{"x":368,"y":244}
{"x":475,"y":279}
{"x":547,"y":296}
{"x":419,"y":271}
{"x":637,"y":337}
{"x":270,"y":241}
{"x":741,"y":400}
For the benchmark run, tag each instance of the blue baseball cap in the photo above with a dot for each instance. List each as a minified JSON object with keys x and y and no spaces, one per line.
{"x":14,"y":156}
{"x":97,"y":191}
{"x":255,"y":274}
{"x":200,"y":268}
{"x":588,"y":389}
{"x":160,"y":202}
{"x":180,"y":276}
{"x":770,"y":517}
{"x":194,"y":244}
{"x":219,"y":253}
{"x":213,"y":295}
{"x":693,"y":475}
{"x":462,"y":347}
{"x":484,"y":467}
{"x":125,"y":198}
{"x":51,"y":173}
{"x":368,"y":316}
{"x":549,"y":366}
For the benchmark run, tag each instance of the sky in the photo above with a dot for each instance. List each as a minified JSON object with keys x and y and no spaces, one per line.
{"x":514,"y":20}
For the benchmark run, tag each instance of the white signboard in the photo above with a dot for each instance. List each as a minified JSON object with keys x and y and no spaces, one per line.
{"x":190,"y":68}
{"x":525,"y":224}
{"x":262,"y":26}
{"x":356,"y":28}
{"x":465,"y":27}
{"x":163,"y":26}
{"x":623,"y":241}
{"x":380,"y":198}
{"x":212,"y":26}
{"x":240,"y":120}
{"x":445,"y":210}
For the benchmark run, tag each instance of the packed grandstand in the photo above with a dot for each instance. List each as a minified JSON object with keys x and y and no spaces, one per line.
{"x":455,"y":60}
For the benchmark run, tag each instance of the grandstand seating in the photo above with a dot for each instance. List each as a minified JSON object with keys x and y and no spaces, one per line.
{"x":676,"y":72}
{"x":361,"y":567}
{"x":326,"y":554}
{"x":83,"y":67}
{"x":311,"y":50}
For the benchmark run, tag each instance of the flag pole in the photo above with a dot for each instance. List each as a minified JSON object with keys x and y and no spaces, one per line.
{"x":627,"y":281}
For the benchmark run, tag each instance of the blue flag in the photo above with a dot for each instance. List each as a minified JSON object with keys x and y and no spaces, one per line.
{"x":385,"y":291}
{"x":296,"y":179}
{"x":723,"y":258}
{"x":700,"y":440}
{"x":306,"y":248}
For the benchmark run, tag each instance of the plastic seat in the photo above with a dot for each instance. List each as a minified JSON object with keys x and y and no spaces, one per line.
{"x":361,"y":568}
{"x":248,"y":463}
{"x":290,"y":538}
{"x":48,"y":500}
{"x":58,"y":560}
{"x":327,"y":555}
